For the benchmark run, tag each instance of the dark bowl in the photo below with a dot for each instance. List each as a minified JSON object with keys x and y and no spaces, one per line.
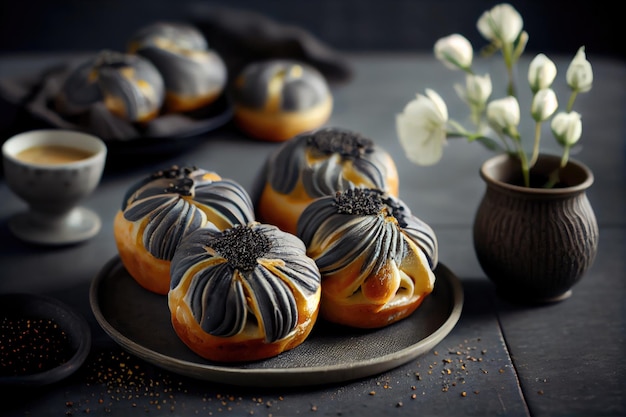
{"x":15,"y":310}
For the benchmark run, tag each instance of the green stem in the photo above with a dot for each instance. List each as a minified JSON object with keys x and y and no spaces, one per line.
{"x":572,"y":98}
{"x":554,"y":176}
{"x":565,"y":156}
{"x":525,"y":167}
{"x":535,"y":154}
{"x":507,"y":53}
{"x":522,"y":156}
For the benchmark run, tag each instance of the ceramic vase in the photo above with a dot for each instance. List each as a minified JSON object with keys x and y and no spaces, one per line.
{"x":535,"y":243}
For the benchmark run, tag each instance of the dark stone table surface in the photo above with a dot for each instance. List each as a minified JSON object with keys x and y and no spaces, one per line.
{"x":561,"y":359}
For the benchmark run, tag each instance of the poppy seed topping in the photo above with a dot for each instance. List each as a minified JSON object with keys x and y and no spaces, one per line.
{"x":347,"y":144}
{"x":183,"y":183}
{"x":359,"y":201}
{"x":242,"y":246}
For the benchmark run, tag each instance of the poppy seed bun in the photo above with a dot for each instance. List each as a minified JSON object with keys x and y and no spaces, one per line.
{"x":194,"y":75}
{"x":275,"y":100}
{"x":130,"y":87}
{"x":159,"y":211}
{"x":243,"y":294}
{"x":315,"y":164}
{"x":375,"y":257}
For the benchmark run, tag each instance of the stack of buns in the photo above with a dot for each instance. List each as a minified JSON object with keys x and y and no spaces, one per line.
{"x":246,"y":279}
{"x":167,"y":68}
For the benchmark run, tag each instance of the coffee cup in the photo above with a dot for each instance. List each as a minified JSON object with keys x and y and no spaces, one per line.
{"x":53,"y":170}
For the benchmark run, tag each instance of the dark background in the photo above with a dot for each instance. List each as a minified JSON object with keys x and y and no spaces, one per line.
{"x":350,"y":25}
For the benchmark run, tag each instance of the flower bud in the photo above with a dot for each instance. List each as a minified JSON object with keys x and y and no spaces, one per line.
{"x":567,"y":128}
{"x":503,"y":114}
{"x":477,"y":89}
{"x":544,"y":104}
{"x":501,"y":24}
{"x":541,"y":73}
{"x":579,"y":74}
{"x":455,"y":51}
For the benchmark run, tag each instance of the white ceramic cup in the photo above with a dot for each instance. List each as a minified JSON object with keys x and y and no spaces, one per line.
{"x":53,"y":191}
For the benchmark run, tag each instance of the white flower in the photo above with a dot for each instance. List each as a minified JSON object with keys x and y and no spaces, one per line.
{"x":567,"y":128}
{"x":579,"y":73}
{"x":501,"y":24}
{"x":541,"y":73}
{"x":455,"y":51}
{"x":544,"y":104}
{"x":421,"y":128}
{"x":476,"y":91}
{"x":503,"y":114}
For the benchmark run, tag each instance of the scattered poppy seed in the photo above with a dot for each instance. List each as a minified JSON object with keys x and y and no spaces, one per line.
{"x":32,"y":345}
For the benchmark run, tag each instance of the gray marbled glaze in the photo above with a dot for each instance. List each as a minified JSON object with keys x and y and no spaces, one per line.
{"x":182,"y":55}
{"x":330,"y":147}
{"x":295,"y":85}
{"x":113,"y":76}
{"x":181,"y":200}
{"x":226,"y":294}
{"x":355,"y":222}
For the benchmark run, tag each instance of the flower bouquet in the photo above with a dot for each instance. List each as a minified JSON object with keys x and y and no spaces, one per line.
{"x":424,"y":126}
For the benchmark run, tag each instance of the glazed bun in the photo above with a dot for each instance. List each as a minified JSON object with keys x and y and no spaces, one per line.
{"x":375,"y":257}
{"x":315,"y":164}
{"x":194,"y":74}
{"x":130,"y":87}
{"x":277,"y":99}
{"x":159,"y":211}
{"x":243,"y":294}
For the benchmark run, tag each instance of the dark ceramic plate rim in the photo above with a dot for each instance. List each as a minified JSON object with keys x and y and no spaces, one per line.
{"x":160,"y":144}
{"x":83,"y":335}
{"x":279,"y":376}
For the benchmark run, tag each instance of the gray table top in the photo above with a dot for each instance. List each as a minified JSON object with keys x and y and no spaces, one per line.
{"x":500,"y":359}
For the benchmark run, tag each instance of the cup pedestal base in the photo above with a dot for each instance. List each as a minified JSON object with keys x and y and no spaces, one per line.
{"x":81,"y":224}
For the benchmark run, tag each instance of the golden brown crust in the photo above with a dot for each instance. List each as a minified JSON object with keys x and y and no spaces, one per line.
{"x":378,"y":305}
{"x":278,"y":126}
{"x":366,"y":316}
{"x":151,"y":273}
{"x":176,"y":103}
{"x":241,"y":347}
{"x":281,"y":210}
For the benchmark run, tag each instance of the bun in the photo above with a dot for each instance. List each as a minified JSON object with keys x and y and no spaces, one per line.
{"x":159,"y":211}
{"x":129,"y":86}
{"x":315,"y":164}
{"x":376,"y":259}
{"x":194,"y":74}
{"x":275,"y":100}
{"x":243,"y":294}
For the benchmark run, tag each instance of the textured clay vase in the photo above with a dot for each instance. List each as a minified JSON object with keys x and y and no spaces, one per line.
{"x":535,"y":243}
